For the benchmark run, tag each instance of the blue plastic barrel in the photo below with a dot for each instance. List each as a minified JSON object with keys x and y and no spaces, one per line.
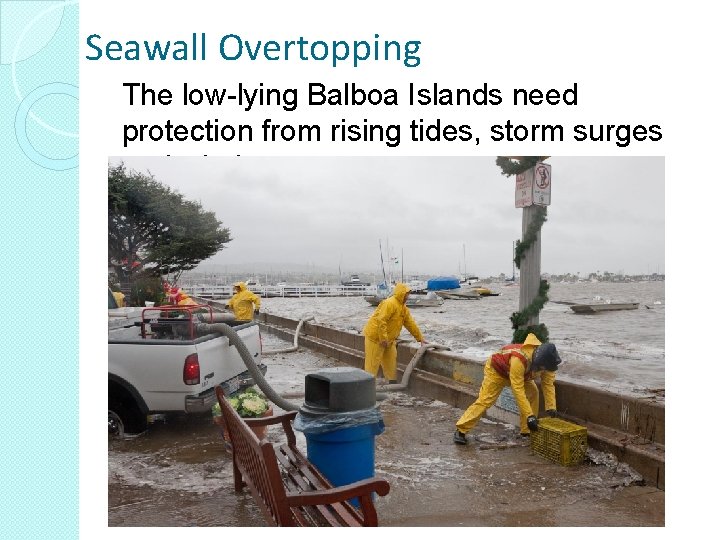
{"x":340,"y":421}
{"x":345,"y":456}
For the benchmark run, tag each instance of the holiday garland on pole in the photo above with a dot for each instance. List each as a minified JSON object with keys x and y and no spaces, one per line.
{"x":519,"y":319}
{"x":511,"y":166}
{"x":530,"y":237}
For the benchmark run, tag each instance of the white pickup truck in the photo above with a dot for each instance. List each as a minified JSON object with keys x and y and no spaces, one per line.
{"x":158,"y":364}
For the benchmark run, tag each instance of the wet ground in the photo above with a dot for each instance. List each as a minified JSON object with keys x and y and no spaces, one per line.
{"x":178,"y":474}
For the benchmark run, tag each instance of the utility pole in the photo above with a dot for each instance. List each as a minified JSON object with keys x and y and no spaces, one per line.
{"x":530,"y":265}
{"x":532,"y":194}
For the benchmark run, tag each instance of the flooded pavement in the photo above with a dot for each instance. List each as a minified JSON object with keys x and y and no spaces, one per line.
{"x":178,"y":474}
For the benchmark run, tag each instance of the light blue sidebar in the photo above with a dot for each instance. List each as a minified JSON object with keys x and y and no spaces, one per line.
{"x":39,"y":213}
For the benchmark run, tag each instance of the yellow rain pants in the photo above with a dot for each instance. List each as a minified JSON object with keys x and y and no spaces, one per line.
{"x":525,"y":391}
{"x":376,"y":355}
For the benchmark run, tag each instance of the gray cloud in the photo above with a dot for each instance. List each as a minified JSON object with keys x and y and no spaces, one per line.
{"x":607,"y":213}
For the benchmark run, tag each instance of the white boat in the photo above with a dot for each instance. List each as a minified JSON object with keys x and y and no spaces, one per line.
{"x":254,"y":285}
{"x":459,"y":294}
{"x":416,"y":285}
{"x":354,"y":281}
{"x":466,"y":292}
{"x":414,"y":300}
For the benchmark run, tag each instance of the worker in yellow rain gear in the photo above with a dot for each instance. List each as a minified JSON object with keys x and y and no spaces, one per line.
{"x":119,"y":298}
{"x":516,"y":366}
{"x":383,"y":328}
{"x":183,"y":299}
{"x":176,"y":296}
{"x":244,"y":302}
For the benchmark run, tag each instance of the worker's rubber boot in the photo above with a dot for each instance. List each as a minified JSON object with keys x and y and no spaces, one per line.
{"x":459,"y":438}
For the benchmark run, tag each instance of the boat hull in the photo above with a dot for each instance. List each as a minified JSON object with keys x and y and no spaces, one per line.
{"x":412,"y":302}
{"x":597,"y":308}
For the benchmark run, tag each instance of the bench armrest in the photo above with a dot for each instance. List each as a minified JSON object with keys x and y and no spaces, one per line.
{"x":339,"y":494}
{"x":283,"y":418}
{"x":270,"y":420}
{"x":363,"y":490}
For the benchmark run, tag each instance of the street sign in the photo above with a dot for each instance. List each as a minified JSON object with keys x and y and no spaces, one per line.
{"x":541,"y":184}
{"x":524,"y":189}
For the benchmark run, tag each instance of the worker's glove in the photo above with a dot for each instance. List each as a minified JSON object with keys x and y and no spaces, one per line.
{"x":552,"y":413}
{"x":532,"y":423}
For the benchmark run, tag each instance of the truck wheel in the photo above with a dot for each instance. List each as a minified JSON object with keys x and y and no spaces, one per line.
{"x":124,"y":418}
{"x":116,"y":427}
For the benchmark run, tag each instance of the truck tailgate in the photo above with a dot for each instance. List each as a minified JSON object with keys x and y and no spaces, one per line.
{"x":154,"y":367}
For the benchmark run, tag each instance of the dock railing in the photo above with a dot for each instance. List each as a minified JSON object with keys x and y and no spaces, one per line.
{"x":301,"y":290}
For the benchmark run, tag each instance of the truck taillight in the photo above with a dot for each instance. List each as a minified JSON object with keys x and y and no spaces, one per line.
{"x":191,"y":370}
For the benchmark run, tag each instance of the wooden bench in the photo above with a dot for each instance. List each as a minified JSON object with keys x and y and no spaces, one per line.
{"x":290,"y":490}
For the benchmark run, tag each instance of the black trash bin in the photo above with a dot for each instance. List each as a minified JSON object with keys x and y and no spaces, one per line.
{"x":340,"y":421}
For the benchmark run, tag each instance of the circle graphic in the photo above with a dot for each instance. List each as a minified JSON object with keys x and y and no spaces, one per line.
{"x":55,"y":164}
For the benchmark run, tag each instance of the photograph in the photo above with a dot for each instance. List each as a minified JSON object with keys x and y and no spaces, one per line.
{"x":386,"y":341}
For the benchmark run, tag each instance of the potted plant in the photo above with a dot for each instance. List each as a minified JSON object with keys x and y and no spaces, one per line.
{"x":248,"y":404}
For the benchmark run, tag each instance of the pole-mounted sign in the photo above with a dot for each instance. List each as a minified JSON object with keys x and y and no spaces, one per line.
{"x":541,"y":184}
{"x":533,"y":186}
{"x":523,"y":189}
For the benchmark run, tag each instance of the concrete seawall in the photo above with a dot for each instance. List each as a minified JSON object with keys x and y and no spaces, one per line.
{"x":630,"y":428}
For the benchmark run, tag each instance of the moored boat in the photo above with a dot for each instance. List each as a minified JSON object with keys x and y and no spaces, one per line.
{"x":414,"y":300}
{"x":597,"y":308}
{"x":484,"y":291}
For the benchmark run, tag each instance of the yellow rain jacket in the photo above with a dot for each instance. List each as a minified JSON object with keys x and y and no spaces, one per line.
{"x":184,"y":300}
{"x":520,"y":380}
{"x":385,"y":325}
{"x":243,"y":303}
{"x":119,"y":298}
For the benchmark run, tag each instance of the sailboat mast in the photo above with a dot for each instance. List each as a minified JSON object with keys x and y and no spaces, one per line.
{"x":464,"y":262}
{"x":382,"y":264}
{"x":390,"y":261}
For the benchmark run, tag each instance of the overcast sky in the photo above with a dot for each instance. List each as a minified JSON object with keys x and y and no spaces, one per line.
{"x":442,"y":214}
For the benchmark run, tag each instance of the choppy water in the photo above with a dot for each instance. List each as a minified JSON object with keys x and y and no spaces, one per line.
{"x":621,"y":351}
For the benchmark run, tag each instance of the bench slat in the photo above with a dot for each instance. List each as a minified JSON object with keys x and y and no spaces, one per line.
{"x":305,"y":477}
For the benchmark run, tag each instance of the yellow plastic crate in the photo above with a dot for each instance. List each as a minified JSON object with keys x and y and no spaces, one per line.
{"x":559,"y":441}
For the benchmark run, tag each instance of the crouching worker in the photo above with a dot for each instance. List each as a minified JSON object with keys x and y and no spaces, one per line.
{"x":516,"y":366}
{"x":383,"y":328}
{"x":244,"y":303}
{"x":175,"y":296}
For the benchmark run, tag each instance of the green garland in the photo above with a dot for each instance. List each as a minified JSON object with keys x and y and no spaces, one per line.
{"x":531,"y":234}
{"x":519,"y":319}
{"x":516,"y":165}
